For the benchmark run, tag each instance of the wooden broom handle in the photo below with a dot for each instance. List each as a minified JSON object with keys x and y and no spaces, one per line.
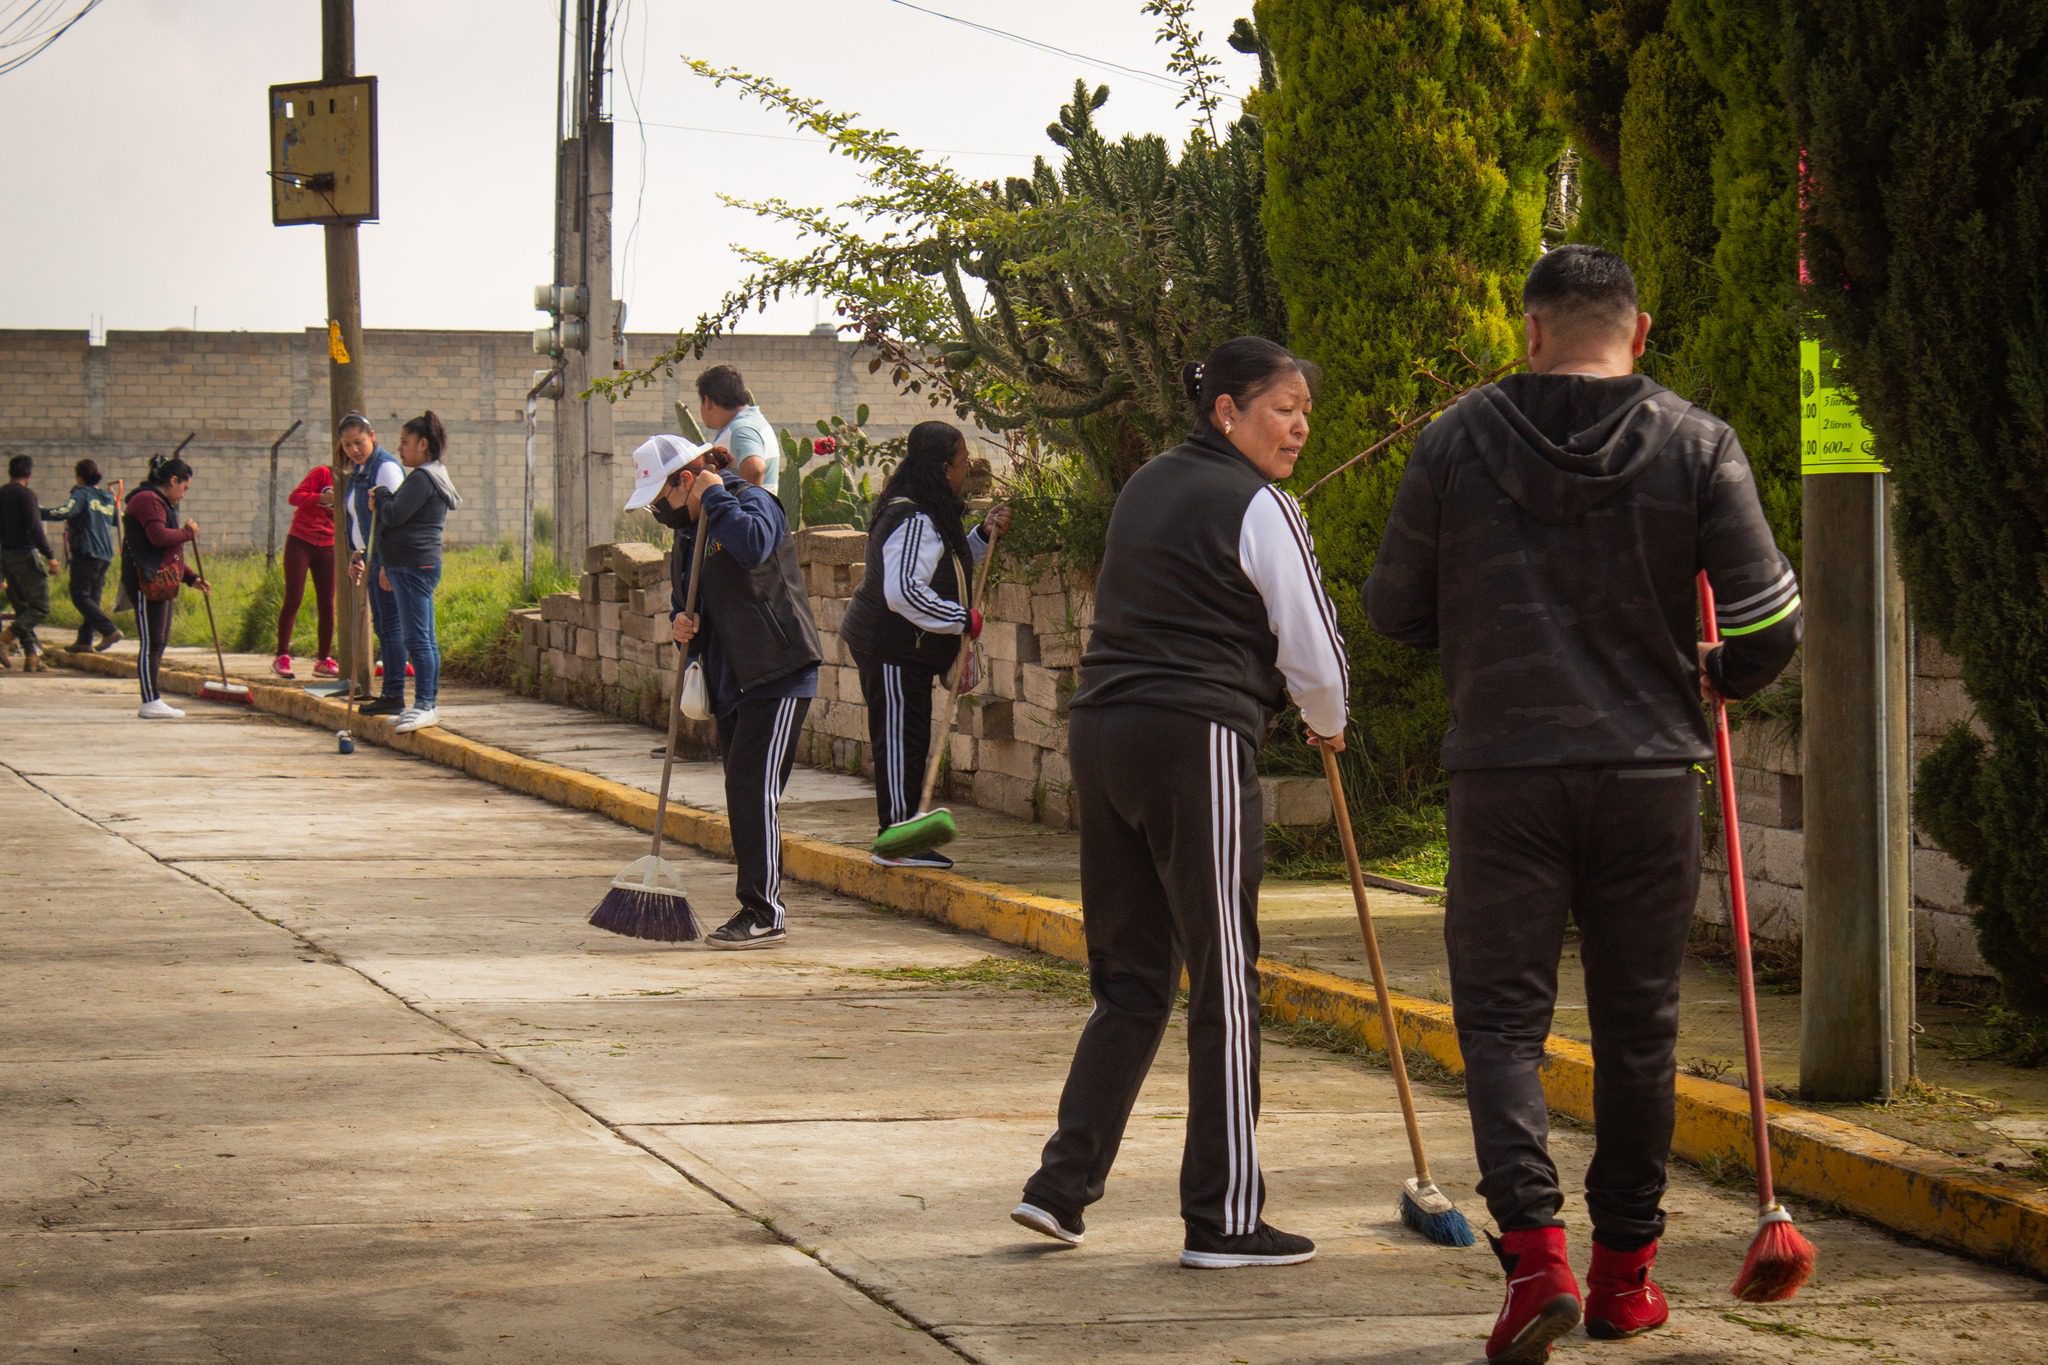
{"x":1342,"y":814}
{"x":959,"y":670}
{"x":675,"y":698}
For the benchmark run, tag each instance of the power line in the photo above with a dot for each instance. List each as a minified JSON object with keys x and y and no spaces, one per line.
{"x":1151,"y":77}
{"x":815,"y":140}
{"x":48,"y":37}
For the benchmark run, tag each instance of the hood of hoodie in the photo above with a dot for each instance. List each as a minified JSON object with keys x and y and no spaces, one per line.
{"x":1562,"y":444}
{"x":438,"y":472}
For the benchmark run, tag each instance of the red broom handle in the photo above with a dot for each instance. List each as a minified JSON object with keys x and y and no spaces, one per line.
{"x":1738,"y":906}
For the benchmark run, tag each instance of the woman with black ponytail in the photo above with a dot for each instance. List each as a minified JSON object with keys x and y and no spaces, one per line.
{"x":409,"y":534}
{"x":1209,"y":614}
{"x":907,"y":620}
{"x":153,"y":569}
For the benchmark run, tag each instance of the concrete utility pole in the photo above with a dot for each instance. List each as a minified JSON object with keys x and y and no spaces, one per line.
{"x":585,"y":505}
{"x":344,"y":377}
{"x":1856,"y":997}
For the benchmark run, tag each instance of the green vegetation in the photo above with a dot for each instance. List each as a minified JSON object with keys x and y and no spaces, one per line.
{"x":1405,"y":162}
{"x":480,"y":587}
{"x":1926,"y":235}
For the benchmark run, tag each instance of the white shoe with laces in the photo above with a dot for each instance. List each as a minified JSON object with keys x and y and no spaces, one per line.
{"x":416,"y":718}
{"x":159,"y":710}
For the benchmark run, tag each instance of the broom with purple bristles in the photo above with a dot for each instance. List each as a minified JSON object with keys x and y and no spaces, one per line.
{"x":647,"y":900}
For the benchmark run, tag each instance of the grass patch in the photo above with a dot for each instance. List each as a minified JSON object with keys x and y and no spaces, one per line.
{"x":1328,"y":1037}
{"x":480,"y":586}
{"x":1410,"y":845}
{"x":1037,"y":972}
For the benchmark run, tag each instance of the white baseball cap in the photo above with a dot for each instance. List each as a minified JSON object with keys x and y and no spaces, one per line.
{"x":656,"y":459}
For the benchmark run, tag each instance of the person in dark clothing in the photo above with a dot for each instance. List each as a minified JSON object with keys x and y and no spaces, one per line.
{"x":372,"y":467}
{"x":26,"y":561}
{"x":153,"y":569}
{"x":1546,"y":539}
{"x":753,"y":632}
{"x":309,"y":552}
{"x":1209,"y":613}
{"x":88,"y":517}
{"x":410,"y":523}
{"x":906,"y":621}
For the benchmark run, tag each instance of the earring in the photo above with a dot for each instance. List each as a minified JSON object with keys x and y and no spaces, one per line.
{"x":1226,"y":427}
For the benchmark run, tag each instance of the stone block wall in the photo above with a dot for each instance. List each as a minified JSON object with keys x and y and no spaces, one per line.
{"x":1770,"y":794}
{"x":604,"y":647}
{"x":141,"y":392}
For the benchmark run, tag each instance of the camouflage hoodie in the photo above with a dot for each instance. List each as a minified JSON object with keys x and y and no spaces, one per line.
{"x":1545,"y":540}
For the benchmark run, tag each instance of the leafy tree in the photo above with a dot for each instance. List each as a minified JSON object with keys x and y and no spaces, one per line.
{"x":1925,"y":130}
{"x":1405,"y":190}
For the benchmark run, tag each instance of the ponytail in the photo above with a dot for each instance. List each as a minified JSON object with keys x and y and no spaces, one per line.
{"x":164,"y":467}
{"x":427,"y":427}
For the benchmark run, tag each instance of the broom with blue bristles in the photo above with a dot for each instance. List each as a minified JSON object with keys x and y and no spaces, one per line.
{"x":647,"y":900}
{"x":1424,"y":1207}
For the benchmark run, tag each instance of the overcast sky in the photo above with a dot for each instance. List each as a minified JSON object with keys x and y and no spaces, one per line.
{"x":136,"y":147}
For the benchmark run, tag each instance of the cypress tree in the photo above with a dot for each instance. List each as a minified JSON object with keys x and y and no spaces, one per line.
{"x":1405,"y":159}
{"x":1926,"y":234}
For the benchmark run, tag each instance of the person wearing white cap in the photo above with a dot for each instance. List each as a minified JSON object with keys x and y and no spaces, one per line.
{"x":753,"y":633}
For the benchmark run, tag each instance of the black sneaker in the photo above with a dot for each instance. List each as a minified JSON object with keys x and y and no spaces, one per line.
{"x":383,"y":706}
{"x":931,"y":858}
{"x":1064,"y":1227}
{"x":747,"y":929}
{"x":1268,"y":1246}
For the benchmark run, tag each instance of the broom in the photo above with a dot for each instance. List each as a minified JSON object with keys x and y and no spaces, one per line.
{"x":1424,"y":1207}
{"x":1780,"y":1259}
{"x":222,"y":690}
{"x":930,"y":828}
{"x":647,"y":900}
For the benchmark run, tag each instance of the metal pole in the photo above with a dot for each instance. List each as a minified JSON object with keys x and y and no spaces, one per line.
{"x":533,"y":396}
{"x":270,"y":552}
{"x":344,"y":307}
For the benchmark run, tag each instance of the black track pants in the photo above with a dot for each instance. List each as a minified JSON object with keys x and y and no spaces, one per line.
{"x":899,"y":699}
{"x":1171,"y":855}
{"x":757,"y":744}
{"x":1617,"y":850}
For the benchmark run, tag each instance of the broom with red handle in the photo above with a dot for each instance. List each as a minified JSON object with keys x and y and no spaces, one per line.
{"x":1780,"y":1259}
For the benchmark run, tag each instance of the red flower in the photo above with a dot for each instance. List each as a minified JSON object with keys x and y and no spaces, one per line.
{"x":824,"y":445}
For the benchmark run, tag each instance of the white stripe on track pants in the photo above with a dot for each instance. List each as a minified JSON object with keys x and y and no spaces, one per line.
{"x":757,"y":744}
{"x":1148,"y":778}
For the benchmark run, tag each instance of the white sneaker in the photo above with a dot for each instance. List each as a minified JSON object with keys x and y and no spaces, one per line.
{"x":416,"y":718}
{"x":159,"y":710}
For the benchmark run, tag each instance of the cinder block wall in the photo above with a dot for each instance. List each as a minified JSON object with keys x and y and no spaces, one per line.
{"x":141,"y":392}
{"x":603,"y":647}
{"x":1770,"y":790}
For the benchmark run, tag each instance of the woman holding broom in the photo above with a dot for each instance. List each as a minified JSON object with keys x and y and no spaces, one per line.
{"x":908,"y":619}
{"x":153,"y":569}
{"x":1209,"y":612}
{"x":753,"y":634}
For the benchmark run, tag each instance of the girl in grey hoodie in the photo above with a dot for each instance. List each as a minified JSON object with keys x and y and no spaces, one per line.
{"x":409,"y":531}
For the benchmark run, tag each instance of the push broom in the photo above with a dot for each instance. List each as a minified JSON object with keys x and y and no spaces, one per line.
{"x":647,"y":900}
{"x":930,"y":828}
{"x":223,"y":690}
{"x":1424,"y":1206}
{"x":1780,"y":1260}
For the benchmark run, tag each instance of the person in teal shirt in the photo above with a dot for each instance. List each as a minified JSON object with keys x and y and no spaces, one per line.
{"x":88,"y":517}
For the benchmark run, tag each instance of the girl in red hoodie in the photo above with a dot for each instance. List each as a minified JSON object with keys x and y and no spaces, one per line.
{"x":309,"y":548}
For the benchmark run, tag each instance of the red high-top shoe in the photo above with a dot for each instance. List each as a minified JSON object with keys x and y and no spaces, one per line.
{"x":1621,"y":1300}
{"x":1543,"y":1298}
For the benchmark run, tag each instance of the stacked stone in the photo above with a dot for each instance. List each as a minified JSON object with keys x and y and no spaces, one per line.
{"x":602,"y":647}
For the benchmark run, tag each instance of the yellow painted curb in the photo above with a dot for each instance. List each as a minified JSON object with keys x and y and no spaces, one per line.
{"x":1904,"y":1187}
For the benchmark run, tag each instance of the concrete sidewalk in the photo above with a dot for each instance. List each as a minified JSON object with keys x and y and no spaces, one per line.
{"x":313,"y":1058}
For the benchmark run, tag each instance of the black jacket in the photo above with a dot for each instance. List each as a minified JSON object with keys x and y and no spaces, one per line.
{"x":873,"y":627}
{"x":1546,"y":539}
{"x":411,"y":521}
{"x":757,"y":638}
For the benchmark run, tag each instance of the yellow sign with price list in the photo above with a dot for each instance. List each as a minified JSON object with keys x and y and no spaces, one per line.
{"x":1832,"y":437}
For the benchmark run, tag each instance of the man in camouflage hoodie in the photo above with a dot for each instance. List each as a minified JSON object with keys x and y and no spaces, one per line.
{"x":1546,"y":540}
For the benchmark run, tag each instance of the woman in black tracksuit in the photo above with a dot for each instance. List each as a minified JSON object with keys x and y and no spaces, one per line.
{"x":907,"y":619}
{"x":1209,"y":612}
{"x":753,"y":632}
{"x":153,"y":569}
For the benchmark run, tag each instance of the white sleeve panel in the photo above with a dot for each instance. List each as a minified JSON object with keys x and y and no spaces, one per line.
{"x":910,"y":556}
{"x":390,"y":476}
{"x":978,"y":544}
{"x":1274,"y":548}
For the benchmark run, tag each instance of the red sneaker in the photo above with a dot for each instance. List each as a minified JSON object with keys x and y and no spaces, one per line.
{"x":326,"y":668}
{"x":1543,"y":1298}
{"x":282,"y":665}
{"x":1621,"y":1299}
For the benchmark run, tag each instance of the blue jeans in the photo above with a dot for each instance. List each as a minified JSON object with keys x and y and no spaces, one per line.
{"x":390,"y":635}
{"x":414,"y":591}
